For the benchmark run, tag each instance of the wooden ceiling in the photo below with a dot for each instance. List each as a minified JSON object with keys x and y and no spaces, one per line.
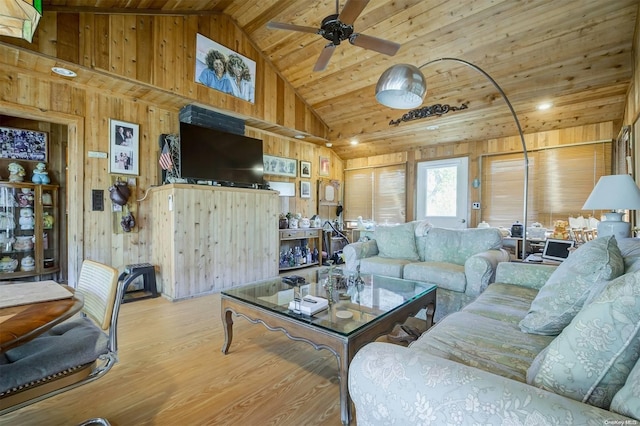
{"x":576,"y":54}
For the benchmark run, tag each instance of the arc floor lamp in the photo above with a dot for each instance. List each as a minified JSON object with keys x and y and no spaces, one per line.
{"x":403,"y":86}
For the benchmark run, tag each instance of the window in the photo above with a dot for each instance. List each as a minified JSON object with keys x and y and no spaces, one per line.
{"x":560,"y":181}
{"x":376,"y":193}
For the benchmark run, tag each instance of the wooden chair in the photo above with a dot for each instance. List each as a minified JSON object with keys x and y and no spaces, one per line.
{"x":58,"y":365}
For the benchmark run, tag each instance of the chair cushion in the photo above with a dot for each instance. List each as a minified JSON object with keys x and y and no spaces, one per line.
{"x":397,"y":242}
{"x":627,"y":400}
{"x":72,"y":343}
{"x":566,"y":290}
{"x":485,"y":333}
{"x":445,"y":275}
{"x":592,"y":357}
{"x":382,"y":266}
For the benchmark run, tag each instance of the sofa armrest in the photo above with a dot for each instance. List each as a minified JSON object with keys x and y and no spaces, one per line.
{"x":355,"y":251}
{"x":392,"y":384}
{"x":531,"y":275}
{"x":480,"y":270}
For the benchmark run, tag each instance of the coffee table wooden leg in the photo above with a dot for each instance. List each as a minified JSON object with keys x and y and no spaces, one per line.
{"x":227,"y":321}
{"x":431,"y":309}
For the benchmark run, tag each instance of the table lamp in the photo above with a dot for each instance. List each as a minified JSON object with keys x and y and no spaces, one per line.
{"x":614,"y":192}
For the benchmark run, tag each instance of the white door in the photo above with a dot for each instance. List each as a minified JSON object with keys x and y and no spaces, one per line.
{"x":442,"y":192}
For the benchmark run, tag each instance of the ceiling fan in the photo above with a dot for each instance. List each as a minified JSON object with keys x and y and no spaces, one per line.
{"x":338,"y":28}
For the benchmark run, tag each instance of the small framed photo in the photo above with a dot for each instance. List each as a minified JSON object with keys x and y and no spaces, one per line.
{"x":305,"y":189}
{"x":305,"y":169}
{"x":324,"y":166}
{"x":23,"y":144}
{"x":124,"y":147}
{"x":280,"y":166}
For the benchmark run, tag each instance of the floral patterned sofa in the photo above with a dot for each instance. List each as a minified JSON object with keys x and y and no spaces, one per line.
{"x":461,"y":262}
{"x":542,"y":345}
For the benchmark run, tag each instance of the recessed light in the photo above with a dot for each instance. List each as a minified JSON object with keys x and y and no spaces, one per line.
{"x":544,"y":106}
{"x":354,"y":142}
{"x":299,"y":136}
{"x":64,"y":72}
{"x":434,"y":127}
{"x":328,"y":144}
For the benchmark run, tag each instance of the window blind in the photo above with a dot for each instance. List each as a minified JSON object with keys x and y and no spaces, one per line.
{"x":376,"y":193}
{"x":560,"y":181}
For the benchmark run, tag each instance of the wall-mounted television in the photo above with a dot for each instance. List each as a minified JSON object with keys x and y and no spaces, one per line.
{"x":211,"y":155}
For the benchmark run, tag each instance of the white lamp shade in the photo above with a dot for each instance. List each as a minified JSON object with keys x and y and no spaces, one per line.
{"x":614,"y":192}
{"x":402,"y":87}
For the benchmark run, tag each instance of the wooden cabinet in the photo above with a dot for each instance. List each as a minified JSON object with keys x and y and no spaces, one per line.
{"x":29,"y":236}
{"x":209,"y":238}
{"x":300,"y":248}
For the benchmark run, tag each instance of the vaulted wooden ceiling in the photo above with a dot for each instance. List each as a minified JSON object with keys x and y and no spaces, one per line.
{"x":576,"y":54}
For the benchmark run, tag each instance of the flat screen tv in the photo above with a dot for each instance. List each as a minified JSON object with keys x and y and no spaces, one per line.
{"x":225,"y":158}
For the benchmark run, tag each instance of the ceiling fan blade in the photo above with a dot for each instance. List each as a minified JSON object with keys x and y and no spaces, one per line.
{"x":351,"y":11}
{"x":324,"y":58}
{"x":291,"y":27}
{"x":373,"y":43}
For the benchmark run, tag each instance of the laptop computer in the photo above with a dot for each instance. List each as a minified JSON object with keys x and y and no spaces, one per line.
{"x":557,"y":250}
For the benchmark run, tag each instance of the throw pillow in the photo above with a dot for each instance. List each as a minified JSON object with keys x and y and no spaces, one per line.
{"x":397,"y":242}
{"x":592,"y":357}
{"x":566,"y":290}
{"x":627,"y":400}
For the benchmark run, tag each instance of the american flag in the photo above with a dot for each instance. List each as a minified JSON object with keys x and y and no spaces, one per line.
{"x":165,"y":157}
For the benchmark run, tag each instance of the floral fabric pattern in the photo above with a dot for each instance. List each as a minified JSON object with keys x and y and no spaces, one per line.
{"x":592,"y":357}
{"x":485,"y":334}
{"x":627,"y":400}
{"x":394,"y":385}
{"x":397,"y":242}
{"x":564,"y":294}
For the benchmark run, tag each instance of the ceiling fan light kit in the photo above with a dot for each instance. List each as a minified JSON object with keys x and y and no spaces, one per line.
{"x":339,"y":27}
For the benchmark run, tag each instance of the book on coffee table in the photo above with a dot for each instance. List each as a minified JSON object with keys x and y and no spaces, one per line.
{"x":308,"y":305}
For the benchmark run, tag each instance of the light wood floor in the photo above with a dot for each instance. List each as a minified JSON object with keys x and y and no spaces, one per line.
{"x":172,"y":372}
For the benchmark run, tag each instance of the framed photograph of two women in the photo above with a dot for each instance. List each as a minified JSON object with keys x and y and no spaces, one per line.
{"x":124,"y":147}
{"x":220,"y":68}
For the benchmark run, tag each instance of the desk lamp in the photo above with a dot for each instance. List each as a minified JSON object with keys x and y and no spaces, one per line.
{"x":614,"y":192}
{"x":403,"y":86}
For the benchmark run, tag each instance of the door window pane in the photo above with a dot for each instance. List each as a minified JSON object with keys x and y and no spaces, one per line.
{"x":442,"y":184}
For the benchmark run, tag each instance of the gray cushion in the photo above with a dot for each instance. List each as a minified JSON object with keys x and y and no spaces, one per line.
{"x":397,"y":242}
{"x":75,"y":342}
{"x":566,"y":290}
{"x":383,"y":266}
{"x":592,"y":357}
{"x":446,"y":275}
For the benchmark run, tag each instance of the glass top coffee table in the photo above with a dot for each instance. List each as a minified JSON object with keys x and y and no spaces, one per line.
{"x":359,"y":315}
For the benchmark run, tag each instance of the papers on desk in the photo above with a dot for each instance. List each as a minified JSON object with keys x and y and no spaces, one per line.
{"x":32,"y":292}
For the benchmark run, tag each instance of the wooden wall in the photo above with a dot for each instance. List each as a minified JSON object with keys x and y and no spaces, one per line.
{"x":475,"y":151}
{"x":632,"y":110}
{"x":139,"y":70}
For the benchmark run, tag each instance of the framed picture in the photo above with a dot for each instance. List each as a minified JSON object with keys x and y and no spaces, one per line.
{"x":279,"y":166}
{"x":305,"y":189}
{"x":305,"y":169}
{"x":225,"y":70}
{"x":324,"y":166}
{"x":22,"y":144}
{"x":124,"y":147}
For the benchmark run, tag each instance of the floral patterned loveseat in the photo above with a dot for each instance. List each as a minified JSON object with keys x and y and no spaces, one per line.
{"x":461,"y":262}
{"x":543,"y":345}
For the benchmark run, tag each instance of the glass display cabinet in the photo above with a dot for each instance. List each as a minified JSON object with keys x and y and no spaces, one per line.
{"x":29,"y":237}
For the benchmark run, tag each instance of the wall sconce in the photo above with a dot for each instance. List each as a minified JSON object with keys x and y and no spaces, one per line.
{"x":476,"y":183}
